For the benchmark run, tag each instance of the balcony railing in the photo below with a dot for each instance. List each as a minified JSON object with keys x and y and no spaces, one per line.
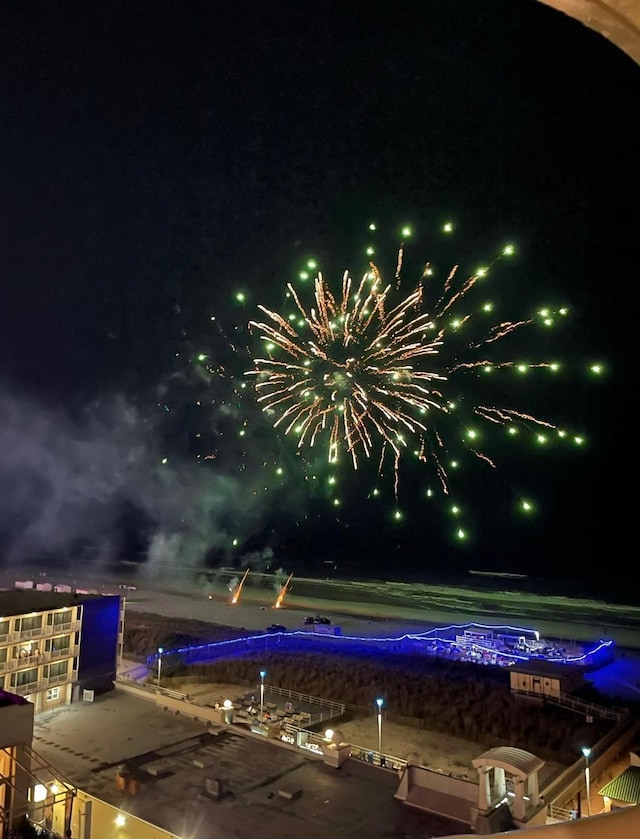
{"x":24,"y":690}
{"x":61,"y":628}
{"x":44,"y":684}
{"x":66,"y":652}
{"x":25,"y":634}
{"x":25,"y":662}
{"x":58,"y":680}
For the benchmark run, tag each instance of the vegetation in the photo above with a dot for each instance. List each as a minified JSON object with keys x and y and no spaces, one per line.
{"x":470,"y":701}
{"x":144,"y":632}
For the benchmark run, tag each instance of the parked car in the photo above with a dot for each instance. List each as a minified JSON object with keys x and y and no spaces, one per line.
{"x":276,"y":627}
{"x":311,"y":619}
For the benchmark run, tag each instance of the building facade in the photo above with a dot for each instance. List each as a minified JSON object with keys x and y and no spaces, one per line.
{"x":54,"y":646}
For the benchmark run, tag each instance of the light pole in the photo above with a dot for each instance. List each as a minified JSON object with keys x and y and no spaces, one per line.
{"x":380,"y":703}
{"x":587,"y":776}
{"x":160,"y":651}
{"x":263,"y":673}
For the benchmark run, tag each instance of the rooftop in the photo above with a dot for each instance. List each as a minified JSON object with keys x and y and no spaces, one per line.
{"x":540,"y":667}
{"x":626,"y":787}
{"x":11,"y":699}
{"x":22,"y":601}
{"x":173,"y":758}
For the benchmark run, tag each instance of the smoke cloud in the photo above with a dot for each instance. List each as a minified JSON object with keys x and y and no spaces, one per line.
{"x":68,"y":486}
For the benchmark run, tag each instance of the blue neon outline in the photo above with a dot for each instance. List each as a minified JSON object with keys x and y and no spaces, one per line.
{"x":430,"y":634}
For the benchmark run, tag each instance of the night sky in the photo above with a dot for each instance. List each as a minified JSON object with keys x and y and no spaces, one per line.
{"x":155,"y":159}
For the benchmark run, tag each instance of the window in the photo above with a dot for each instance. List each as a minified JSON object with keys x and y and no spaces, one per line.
{"x":62,"y":642}
{"x":25,"y":677}
{"x":61,"y":668}
{"x":60,"y":618}
{"x":53,"y":694}
{"x":32,"y":622}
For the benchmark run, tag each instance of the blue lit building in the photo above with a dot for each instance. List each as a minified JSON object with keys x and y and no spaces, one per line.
{"x":55,"y":645}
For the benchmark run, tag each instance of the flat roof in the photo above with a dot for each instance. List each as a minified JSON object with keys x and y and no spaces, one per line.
{"x":540,"y":667}
{"x":20,"y":601}
{"x":172,"y":758}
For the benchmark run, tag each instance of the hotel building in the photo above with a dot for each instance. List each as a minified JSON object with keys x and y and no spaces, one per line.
{"x":54,"y":646}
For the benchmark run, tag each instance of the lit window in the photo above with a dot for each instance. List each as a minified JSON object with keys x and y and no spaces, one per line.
{"x":53,"y":694}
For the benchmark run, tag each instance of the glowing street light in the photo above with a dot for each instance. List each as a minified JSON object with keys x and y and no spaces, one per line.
{"x":380,"y":703}
{"x":587,"y":776}
{"x":160,"y":651}
{"x":263,"y":673}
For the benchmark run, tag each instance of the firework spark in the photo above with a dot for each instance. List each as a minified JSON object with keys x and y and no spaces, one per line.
{"x":360,"y":373}
{"x":283,"y":591}
{"x":238,"y":591}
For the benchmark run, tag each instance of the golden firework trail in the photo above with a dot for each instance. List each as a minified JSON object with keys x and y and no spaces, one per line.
{"x":236,"y":594}
{"x":285,"y":588}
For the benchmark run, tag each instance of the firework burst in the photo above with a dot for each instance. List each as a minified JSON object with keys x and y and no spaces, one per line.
{"x":373,"y":372}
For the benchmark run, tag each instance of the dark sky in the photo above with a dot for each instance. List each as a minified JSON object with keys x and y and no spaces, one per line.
{"x":154,"y":158}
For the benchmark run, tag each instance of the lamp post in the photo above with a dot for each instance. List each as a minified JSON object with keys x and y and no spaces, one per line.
{"x":160,"y":651}
{"x":380,"y":703}
{"x":587,"y":776}
{"x":263,"y":673}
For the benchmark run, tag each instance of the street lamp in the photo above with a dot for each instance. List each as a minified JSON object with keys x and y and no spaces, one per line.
{"x":263,"y":673}
{"x":380,"y":703}
{"x":587,"y":776}
{"x":160,"y":651}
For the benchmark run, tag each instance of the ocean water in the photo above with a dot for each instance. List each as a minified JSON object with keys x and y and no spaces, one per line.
{"x":619,"y":590}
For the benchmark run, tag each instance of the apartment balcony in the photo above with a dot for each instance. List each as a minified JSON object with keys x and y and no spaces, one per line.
{"x":57,"y":655}
{"x":27,"y":690}
{"x":26,"y":634}
{"x":62,"y":679}
{"x":61,"y":628}
{"x":25,"y":662}
{"x":44,"y":684}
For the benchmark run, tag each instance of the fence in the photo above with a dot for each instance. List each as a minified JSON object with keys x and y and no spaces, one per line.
{"x":572,"y":703}
{"x":333,"y":709}
{"x":315,"y":742}
{"x":562,"y":789}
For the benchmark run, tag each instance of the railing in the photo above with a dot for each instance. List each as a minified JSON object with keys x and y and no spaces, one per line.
{"x":66,"y":652}
{"x":375,"y":758}
{"x":318,"y":744}
{"x":23,"y":690}
{"x":172,"y":694}
{"x":63,"y":628}
{"x":561,"y":814}
{"x":57,"y":680}
{"x":565,"y":700}
{"x":25,"y":661}
{"x":25,"y":634}
{"x":336,"y":709}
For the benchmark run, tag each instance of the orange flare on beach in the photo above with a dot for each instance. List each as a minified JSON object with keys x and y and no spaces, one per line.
{"x":236,"y":593}
{"x":283,"y":591}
